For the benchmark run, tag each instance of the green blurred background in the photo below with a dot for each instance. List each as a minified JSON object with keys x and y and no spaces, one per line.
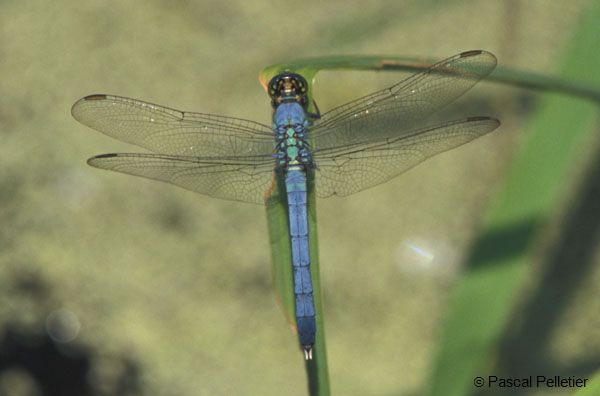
{"x":153,"y":290}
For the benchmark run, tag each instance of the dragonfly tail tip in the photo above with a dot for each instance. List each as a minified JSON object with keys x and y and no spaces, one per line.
{"x":308,"y":352}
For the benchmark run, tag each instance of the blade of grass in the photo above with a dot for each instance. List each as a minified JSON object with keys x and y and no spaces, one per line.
{"x":309,"y":67}
{"x":482,"y":302}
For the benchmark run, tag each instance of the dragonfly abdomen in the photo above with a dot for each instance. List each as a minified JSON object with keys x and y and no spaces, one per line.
{"x":298,"y":219}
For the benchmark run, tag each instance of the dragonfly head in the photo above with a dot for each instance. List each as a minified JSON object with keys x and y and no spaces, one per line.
{"x":288,"y":87}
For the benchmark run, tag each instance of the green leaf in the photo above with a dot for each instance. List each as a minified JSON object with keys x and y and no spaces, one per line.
{"x":482,"y":302}
{"x":309,"y":67}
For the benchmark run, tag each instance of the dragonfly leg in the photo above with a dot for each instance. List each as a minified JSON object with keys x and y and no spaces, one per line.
{"x":317,"y":115}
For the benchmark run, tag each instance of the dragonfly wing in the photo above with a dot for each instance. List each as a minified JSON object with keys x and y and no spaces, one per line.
{"x":345,"y":170}
{"x":168,"y":131}
{"x":237,"y":179}
{"x":398,"y":110}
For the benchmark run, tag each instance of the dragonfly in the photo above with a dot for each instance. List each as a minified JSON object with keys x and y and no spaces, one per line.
{"x":347,"y":149}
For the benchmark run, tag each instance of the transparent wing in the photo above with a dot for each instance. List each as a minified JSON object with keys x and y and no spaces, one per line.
{"x":167,"y":131}
{"x":348,"y":169}
{"x":398,"y":110}
{"x":243,"y":179}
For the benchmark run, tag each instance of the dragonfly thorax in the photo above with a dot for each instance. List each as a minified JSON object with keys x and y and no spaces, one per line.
{"x":290,"y":126}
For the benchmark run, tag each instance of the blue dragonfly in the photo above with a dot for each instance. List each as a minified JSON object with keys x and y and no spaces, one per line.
{"x":350,"y":148}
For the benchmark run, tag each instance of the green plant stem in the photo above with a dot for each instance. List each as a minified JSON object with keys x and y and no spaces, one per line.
{"x":309,"y":67}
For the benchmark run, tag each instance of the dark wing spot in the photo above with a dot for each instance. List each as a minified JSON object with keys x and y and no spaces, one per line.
{"x":95,"y":97}
{"x":466,"y":54}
